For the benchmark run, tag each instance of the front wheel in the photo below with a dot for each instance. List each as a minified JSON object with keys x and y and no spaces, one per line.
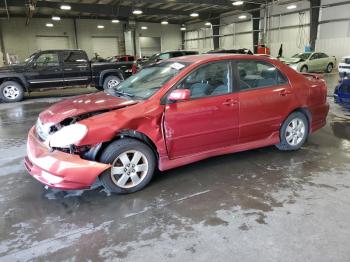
{"x":11,"y":91}
{"x":329,"y":68}
{"x":133,"y":164}
{"x":293,"y":132}
{"x":111,"y":82}
{"x":304,"y":69}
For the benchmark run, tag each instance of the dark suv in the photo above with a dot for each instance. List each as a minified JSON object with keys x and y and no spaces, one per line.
{"x":58,"y":68}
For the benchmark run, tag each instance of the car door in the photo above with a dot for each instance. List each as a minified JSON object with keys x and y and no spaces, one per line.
{"x":265,"y":98}
{"x":45,"y":71}
{"x":209,"y":119}
{"x":314,"y":63}
{"x":76,"y":68}
{"x":324,"y":61}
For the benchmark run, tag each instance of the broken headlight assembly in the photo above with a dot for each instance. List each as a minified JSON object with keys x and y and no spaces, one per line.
{"x":68,"y":136}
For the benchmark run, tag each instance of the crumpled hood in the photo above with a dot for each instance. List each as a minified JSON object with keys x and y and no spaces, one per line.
{"x":79,"y":105}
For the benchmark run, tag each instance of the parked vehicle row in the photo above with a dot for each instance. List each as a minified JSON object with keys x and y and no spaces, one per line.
{"x":58,"y":68}
{"x":173,"y":113}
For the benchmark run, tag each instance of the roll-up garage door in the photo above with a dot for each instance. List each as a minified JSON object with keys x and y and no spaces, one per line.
{"x":52,"y":42}
{"x":105,"y":46}
{"x":149,"y":45}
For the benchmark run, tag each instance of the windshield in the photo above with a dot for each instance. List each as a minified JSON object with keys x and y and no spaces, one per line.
{"x":149,"y":80}
{"x":303,"y":56}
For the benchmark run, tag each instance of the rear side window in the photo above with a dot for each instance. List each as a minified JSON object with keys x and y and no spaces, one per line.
{"x":258,"y":74}
{"x":164,"y":56}
{"x":323,"y":55}
{"x":177,"y":54}
{"x":73,"y":57}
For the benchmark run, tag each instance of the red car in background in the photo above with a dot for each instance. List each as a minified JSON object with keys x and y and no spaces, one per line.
{"x":121,"y":58}
{"x":171,"y":114}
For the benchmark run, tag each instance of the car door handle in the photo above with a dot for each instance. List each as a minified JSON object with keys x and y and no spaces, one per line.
{"x":230,"y":102}
{"x":285,"y":92}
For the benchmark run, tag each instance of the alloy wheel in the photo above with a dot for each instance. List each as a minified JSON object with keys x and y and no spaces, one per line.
{"x":129,"y":169}
{"x":11,"y":92}
{"x":295,"y":132}
{"x":113,"y":83}
{"x":329,"y":68}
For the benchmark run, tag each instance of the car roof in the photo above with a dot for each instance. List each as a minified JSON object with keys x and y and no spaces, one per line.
{"x":214,"y":57}
{"x":60,"y":50}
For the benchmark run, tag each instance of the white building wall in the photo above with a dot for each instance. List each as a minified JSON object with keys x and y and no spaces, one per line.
{"x":288,"y":28}
{"x":170,"y":35}
{"x":198,"y":37}
{"x":334,"y":37}
{"x":235,"y":33}
{"x":20,"y":39}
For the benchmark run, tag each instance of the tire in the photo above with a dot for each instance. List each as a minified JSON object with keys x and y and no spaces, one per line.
{"x":329,"y":68}
{"x":124,"y":179}
{"x":293,"y":141}
{"x":304,"y":69}
{"x":111,"y":82}
{"x":100,"y":88}
{"x":11,"y":91}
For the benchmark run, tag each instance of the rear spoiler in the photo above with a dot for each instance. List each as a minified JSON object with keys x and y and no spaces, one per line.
{"x":313,"y":76}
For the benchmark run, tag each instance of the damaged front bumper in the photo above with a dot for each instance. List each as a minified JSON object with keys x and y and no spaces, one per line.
{"x":57,"y":169}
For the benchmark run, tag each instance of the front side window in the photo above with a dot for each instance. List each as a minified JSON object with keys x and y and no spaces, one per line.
{"x":48,"y":59}
{"x":314,"y":56}
{"x":258,"y":74}
{"x":209,"y":80}
{"x":149,"y":80}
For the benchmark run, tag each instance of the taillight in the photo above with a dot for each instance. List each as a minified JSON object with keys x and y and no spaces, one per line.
{"x":134,"y":69}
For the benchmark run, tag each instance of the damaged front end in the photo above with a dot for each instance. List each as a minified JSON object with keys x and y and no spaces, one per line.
{"x":50,"y":132}
{"x":54,"y":158}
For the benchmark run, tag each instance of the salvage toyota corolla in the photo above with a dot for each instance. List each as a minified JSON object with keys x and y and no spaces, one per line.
{"x":171,"y":114}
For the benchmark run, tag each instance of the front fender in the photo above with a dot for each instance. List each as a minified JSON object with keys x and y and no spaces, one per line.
{"x":142,"y":118}
{"x":17,"y":77}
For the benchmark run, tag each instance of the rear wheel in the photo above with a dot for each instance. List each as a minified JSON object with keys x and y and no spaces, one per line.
{"x":133,"y":164}
{"x":111,"y":82}
{"x":11,"y":91}
{"x":293,"y":132}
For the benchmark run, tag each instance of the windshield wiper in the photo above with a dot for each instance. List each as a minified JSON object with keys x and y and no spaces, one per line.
{"x":121,"y":93}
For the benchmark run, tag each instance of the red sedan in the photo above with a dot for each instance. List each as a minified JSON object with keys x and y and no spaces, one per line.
{"x":171,"y":114}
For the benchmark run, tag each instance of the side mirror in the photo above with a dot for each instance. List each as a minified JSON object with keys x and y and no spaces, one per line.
{"x":179,"y":95}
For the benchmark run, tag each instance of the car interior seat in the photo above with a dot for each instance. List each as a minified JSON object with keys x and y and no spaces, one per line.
{"x":223,"y":87}
{"x":268,"y":78}
{"x":201,"y":84}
